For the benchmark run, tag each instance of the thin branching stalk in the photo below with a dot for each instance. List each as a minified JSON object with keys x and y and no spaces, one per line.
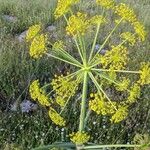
{"x":121,"y":71}
{"x":111,"y":146}
{"x":108,"y":37}
{"x":58,"y":58}
{"x":100,"y":88}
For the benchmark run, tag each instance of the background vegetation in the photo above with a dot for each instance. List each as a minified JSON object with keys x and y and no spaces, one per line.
{"x":17,"y":69}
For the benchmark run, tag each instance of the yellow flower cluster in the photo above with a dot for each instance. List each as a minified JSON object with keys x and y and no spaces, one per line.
{"x":125,"y":12}
{"x":77,"y":24}
{"x":123,"y":85}
{"x":38,"y":94}
{"x":32,"y":32}
{"x":100,"y":106}
{"x":79,"y":137}
{"x":97,"y":19}
{"x":145,"y":74}
{"x":120,"y":114}
{"x":139,"y":30}
{"x":134,"y":93}
{"x":128,"y":36}
{"x":58,"y":45}
{"x":56,"y":118}
{"x":106,"y":3}
{"x":116,"y":58}
{"x":64,"y":87}
{"x":63,"y":7}
{"x":38,"y":41}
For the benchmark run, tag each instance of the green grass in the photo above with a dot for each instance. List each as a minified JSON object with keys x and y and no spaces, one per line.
{"x":17,"y":69}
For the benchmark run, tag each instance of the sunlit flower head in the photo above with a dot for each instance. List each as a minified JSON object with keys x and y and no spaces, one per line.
{"x":99,"y":105}
{"x":32,"y":32}
{"x":56,"y":118}
{"x":38,"y":46}
{"x":129,"y":37}
{"x":38,"y":93}
{"x":139,"y":30}
{"x":116,"y":58}
{"x":97,"y":19}
{"x":123,"y":84}
{"x":125,"y":12}
{"x":134,"y":93}
{"x":77,"y":24}
{"x":120,"y":114}
{"x":64,"y":88}
{"x":58,"y":45}
{"x":106,"y":3}
{"x":63,"y":7}
{"x":144,"y":74}
{"x":79,"y":137}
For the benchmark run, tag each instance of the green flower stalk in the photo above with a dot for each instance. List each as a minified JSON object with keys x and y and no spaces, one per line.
{"x":90,"y":65}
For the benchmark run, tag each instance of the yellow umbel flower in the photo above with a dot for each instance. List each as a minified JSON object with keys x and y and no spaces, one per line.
{"x":63,"y":7}
{"x":58,"y":45}
{"x":97,"y":19}
{"x":144,"y":74}
{"x":34,"y":89}
{"x":64,"y":87}
{"x":77,"y":24}
{"x":79,"y":137}
{"x":129,"y":37}
{"x":38,"y":94}
{"x":134,"y":93}
{"x":32,"y":32}
{"x":139,"y":30}
{"x":38,"y":46}
{"x":120,"y":114}
{"x":100,"y":106}
{"x":123,"y":85}
{"x":125,"y":12}
{"x":56,"y":118}
{"x":116,"y":58}
{"x":106,"y":3}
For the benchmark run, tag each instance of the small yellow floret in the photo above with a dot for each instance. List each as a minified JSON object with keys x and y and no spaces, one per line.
{"x":65,"y":88}
{"x":116,"y":58}
{"x":32,"y":32}
{"x":38,"y":46}
{"x":79,"y":137}
{"x":139,"y":30}
{"x":145,"y":74}
{"x":125,"y":12}
{"x":77,"y":24}
{"x":129,"y":37}
{"x":106,"y":3}
{"x":63,"y":7}
{"x":123,"y":85}
{"x":134,"y":93}
{"x":58,"y":45}
{"x":100,"y":106}
{"x":120,"y":114}
{"x":56,"y":118}
{"x":38,"y":94}
{"x":97,"y":19}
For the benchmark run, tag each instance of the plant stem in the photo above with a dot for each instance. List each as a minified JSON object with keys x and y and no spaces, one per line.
{"x":56,"y":57}
{"x":83,"y":103}
{"x":108,"y":37}
{"x":94,"y":43}
{"x":120,"y":71}
{"x":109,"y":146}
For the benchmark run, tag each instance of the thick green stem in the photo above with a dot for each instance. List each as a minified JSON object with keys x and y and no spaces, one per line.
{"x":83,"y":103}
